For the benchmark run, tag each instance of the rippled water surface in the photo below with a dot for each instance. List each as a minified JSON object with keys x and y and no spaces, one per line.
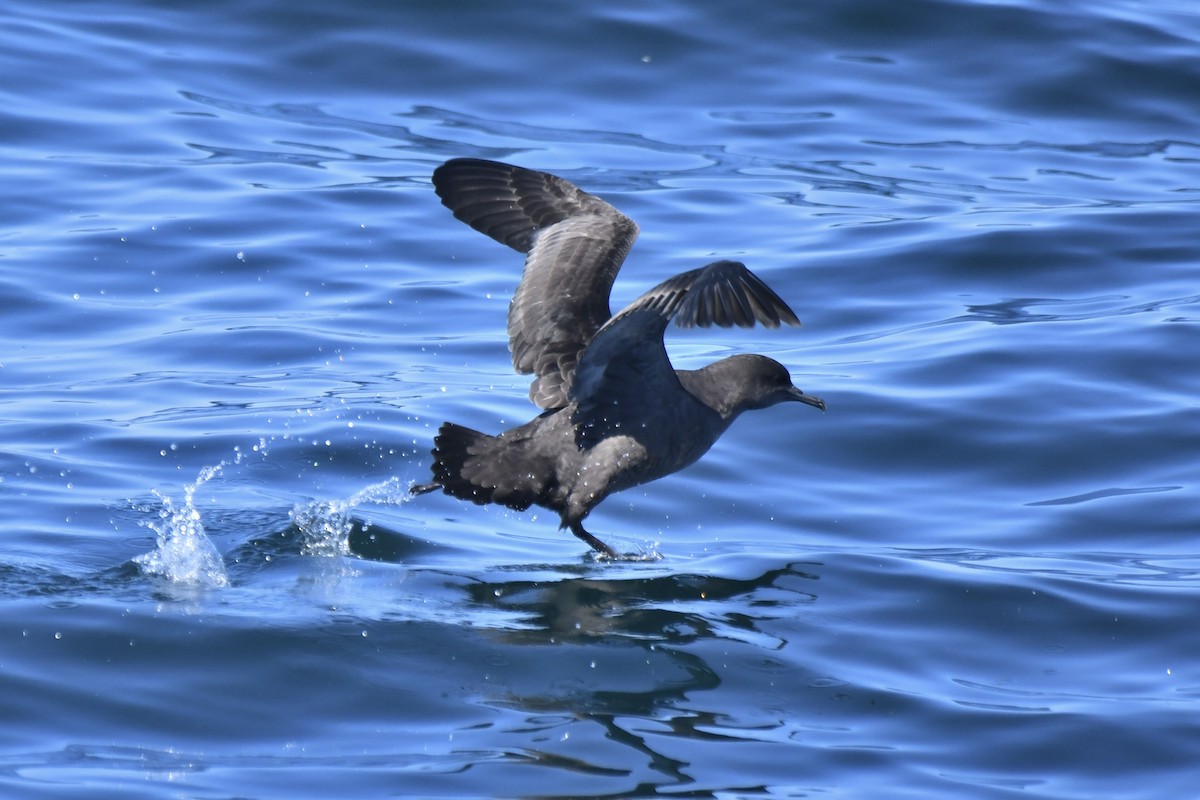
{"x":235,"y":313}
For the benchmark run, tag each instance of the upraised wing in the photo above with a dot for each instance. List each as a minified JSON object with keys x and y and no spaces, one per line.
{"x":626,"y":367}
{"x":575,"y":244}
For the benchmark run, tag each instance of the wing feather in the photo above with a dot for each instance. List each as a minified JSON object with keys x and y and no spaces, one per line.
{"x":575,"y":244}
{"x":629,"y":351}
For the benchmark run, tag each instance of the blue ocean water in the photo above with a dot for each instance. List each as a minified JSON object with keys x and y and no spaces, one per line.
{"x":235,"y":313}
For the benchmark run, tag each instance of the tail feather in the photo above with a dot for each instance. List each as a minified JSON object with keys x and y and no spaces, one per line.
{"x":453,"y":447}
{"x":484,"y":469}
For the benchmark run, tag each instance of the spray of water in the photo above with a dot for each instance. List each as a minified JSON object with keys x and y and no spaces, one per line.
{"x":183,"y":553}
{"x":325,"y":525}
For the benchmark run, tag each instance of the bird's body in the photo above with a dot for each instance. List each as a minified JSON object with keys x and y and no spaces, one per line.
{"x":617,"y":414}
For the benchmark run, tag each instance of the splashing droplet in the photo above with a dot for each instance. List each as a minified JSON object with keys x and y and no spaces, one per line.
{"x":183,"y":553}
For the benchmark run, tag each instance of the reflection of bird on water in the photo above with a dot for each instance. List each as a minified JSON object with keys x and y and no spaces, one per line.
{"x":617,"y":414}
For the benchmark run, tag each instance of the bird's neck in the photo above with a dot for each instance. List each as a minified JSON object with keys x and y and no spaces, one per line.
{"x":711,"y":386}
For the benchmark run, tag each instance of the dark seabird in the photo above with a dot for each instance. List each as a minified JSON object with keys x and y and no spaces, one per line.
{"x":616,"y":413}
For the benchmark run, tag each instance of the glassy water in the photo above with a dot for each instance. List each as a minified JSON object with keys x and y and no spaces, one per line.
{"x":235,"y":313}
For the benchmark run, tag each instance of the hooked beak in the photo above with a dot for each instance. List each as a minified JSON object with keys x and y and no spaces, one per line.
{"x":808,"y":399}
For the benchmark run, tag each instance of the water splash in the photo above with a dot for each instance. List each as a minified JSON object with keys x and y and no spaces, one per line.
{"x":325,"y":525}
{"x":183,"y":553}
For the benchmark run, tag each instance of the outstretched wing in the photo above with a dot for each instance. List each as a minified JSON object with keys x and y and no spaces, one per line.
{"x":575,"y":244}
{"x":625,"y":369}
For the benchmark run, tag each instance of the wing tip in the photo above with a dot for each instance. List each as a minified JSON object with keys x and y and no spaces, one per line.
{"x":727,"y":294}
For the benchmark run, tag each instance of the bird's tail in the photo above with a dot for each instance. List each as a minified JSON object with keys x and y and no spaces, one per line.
{"x":474,"y":466}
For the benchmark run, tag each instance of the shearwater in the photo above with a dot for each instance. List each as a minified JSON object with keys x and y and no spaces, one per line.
{"x":616,"y":413}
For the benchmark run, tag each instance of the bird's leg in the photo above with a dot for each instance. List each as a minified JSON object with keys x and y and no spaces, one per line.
{"x":593,"y":542}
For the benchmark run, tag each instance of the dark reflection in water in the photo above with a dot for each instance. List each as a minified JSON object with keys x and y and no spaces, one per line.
{"x":661,"y":609}
{"x":622,"y":653}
